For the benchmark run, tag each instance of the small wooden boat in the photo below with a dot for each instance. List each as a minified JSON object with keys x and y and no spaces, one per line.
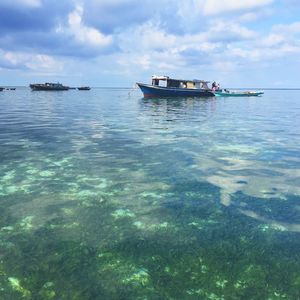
{"x":227,"y":93}
{"x":84,"y":88}
{"x":48,"y":86}
{"x":175,"y":88}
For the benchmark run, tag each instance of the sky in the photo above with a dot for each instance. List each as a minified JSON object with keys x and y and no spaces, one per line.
{"x":238,"y":43}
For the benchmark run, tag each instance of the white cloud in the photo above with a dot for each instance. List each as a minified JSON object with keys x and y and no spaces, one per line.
{"x":29,"y":3}
{"x":272,"y":40}
{"x":35,"y":62}
{"x":287,"y":29}
{"x":262,"y":52}
{"x":149,"y":36}
{"x":215,"y":7}
{"x":33,"y":3}
{"x":143,"y":61}
{"x":228,"y":29}
{"x":247,"y":54}
{"x":224,"y":66}
{"x":44,"y":63}
{"x":249,"y":17}
{"x":152,"y":37}
{"x":282,"y":40}
{"x":159,"y":50}
{"x":11,"y":58}
{"x":84,"y":34}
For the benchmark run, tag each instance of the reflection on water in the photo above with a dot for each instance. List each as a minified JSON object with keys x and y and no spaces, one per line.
{"x":237,"y":153}
{"x":109,"y":196}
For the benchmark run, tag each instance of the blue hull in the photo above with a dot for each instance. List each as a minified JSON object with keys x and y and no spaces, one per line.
{"x":151,"y":91}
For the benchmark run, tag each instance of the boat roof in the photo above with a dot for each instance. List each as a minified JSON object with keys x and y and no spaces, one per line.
{"x":168,"y":78}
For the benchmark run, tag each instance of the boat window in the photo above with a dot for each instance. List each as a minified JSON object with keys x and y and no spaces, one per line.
{"x":197,"y":85}
{"x":190,"y":85}
{"x":173,"y":83}
{"x":155,"y":82}
{"x":163,"y":83}
{"x":204,"y":85}
{"x":183,"y":84}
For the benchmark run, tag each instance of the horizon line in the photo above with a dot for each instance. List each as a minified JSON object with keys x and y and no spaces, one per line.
{"x":127,"y":87}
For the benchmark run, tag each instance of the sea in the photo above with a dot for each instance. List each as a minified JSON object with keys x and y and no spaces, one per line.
{"x":107,"y":195}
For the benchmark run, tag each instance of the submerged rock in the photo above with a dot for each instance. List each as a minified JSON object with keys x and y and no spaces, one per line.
{"x":122,"y":213}
{"x":16,"y":285}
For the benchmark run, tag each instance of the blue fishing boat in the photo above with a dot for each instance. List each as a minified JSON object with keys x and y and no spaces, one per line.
{"x":227,"y":93}
{"x":164,"y":86}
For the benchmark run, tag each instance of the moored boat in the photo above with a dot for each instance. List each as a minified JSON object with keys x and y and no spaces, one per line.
{"x":227,"y":93}
{"x":48,"y":86}
{"x":84,"y":88}
{"x":175,"y":88}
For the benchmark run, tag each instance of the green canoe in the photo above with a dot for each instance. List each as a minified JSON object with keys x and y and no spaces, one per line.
{"x":226,"y":93}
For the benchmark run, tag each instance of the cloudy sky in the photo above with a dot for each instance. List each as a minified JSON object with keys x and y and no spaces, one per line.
{"x":239,"y":43}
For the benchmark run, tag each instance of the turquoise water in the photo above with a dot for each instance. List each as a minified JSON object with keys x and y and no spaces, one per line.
{"x":105,"y":195}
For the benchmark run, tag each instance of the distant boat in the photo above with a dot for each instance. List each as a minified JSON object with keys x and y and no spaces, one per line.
{"x":175,"y":88}
{"x":1,"y":89}
{"x":84,"y":88}
{"x":227,"y":93}
{"x":48,"y":86}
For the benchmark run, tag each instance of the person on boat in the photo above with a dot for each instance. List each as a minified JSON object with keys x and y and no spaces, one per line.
{"x":214,"y":86}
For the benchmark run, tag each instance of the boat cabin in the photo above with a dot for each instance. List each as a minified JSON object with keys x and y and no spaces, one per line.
{"x":168,"y":82}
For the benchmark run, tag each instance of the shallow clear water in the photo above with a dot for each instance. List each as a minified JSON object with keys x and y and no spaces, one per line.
{"x":105,"y":195}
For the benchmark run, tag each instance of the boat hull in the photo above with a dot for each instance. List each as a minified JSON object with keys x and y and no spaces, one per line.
{"x":237,"y":94}
{"x":44,"y":87}
{"x":151,"y":91}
